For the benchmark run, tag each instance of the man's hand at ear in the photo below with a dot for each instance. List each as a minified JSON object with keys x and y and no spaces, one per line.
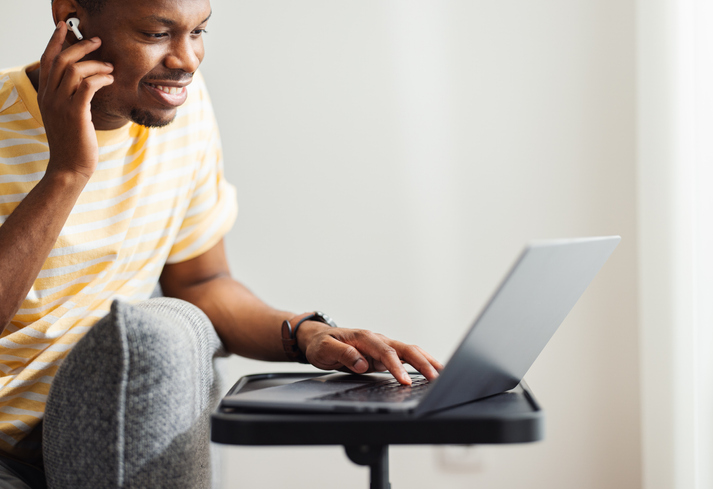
{"x":66,"y":87}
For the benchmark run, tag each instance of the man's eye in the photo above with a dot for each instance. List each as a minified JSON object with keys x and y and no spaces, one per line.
{"x":155,"y":35}
{"x":198,"y":32}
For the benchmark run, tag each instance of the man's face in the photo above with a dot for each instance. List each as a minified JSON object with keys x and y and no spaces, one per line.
{"x":155,"y":47}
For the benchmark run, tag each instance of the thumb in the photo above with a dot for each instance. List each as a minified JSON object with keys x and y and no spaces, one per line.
{"x":336,"y":352}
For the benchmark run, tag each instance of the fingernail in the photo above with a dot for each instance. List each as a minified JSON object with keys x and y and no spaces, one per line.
{"x":360,"y":365}
{"x":94,"y":39}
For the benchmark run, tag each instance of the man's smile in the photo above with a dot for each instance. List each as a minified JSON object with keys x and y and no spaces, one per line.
{"x":167,"y":93}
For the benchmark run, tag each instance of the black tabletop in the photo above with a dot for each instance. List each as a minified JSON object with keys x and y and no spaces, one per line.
{"x":510,"y":417}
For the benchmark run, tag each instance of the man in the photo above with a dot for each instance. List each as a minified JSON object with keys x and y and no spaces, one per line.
{"x":111,"y":181}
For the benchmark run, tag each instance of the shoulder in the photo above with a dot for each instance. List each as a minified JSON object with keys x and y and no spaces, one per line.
{"x":198,"y":86}
{"x":19,"y":112}
{"x":8,"y":90}
{"x":198,"y":100}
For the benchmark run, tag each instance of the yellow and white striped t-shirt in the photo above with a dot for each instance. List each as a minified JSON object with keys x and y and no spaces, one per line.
{"x":158,"y":196}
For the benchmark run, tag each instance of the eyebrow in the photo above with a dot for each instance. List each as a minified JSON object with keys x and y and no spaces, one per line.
{"x":170,"y":22}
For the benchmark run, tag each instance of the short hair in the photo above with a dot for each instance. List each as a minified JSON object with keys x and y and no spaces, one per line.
{"x":91,"y":6}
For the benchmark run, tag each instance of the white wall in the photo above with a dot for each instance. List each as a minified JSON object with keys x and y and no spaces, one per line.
{"x":675,"y":150}
{"x":391,"y":160}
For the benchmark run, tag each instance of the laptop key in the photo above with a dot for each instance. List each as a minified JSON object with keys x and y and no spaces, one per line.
{"x":386,"y":391}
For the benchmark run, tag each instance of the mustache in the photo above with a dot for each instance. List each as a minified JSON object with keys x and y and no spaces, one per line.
{"x":177,"y":76}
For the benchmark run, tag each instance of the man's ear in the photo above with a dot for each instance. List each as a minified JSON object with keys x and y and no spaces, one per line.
{"x":66,"y":9}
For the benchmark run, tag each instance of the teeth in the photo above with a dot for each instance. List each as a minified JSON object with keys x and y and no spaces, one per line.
{"x":169,"y":90}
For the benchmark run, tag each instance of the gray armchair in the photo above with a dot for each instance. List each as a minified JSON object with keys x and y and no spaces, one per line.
{"x":130,"y":406}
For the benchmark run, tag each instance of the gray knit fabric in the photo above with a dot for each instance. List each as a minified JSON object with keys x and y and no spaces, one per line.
{"x":130,"y":406}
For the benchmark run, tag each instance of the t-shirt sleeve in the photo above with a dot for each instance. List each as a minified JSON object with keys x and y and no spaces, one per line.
{"x":213,"y":206}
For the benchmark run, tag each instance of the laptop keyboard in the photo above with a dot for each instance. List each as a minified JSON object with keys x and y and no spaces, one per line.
{"x":387,"y":391}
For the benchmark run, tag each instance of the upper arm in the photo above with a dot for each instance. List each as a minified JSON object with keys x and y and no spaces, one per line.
{"x":177,"y":279}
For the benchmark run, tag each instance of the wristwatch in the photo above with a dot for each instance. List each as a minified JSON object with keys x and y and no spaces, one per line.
{"x":289,"y":334}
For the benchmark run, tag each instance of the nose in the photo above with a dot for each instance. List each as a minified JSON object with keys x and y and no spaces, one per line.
{"x":185,"y":54}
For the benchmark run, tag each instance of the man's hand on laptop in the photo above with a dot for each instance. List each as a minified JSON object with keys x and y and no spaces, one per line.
{"x":362,"y":351}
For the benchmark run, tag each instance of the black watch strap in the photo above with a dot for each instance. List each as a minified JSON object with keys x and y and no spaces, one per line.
{"x":289,"y":334}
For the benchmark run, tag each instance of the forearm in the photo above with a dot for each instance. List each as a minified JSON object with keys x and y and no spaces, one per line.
{"x":65,"y":87}
{"x":251,"y":328}
{"x":246,"y":325}
{"x":29,"y":233}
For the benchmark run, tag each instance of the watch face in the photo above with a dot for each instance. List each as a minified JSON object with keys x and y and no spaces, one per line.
{"x":326,"y":319}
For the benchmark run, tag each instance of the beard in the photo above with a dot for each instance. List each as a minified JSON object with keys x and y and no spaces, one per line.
{"x":145,"y":118}
{"x":104,"y":102}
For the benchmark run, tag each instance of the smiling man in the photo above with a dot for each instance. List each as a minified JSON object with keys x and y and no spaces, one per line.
{"x":111,"y":181}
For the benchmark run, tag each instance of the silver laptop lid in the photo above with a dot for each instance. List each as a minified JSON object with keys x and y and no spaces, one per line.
{"x":505,"y":340}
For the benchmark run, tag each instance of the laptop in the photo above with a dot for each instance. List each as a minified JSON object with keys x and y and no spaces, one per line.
{"x":498,"y":349}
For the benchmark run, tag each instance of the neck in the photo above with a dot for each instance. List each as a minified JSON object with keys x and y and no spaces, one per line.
{"x":34,"y":77}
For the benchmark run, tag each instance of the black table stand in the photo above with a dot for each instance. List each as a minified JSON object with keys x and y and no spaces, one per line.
{"x":377,"y":458}
{"x":510,"y":417}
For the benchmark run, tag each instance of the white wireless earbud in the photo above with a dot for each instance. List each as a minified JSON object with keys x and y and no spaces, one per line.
{"x":73,"y":24}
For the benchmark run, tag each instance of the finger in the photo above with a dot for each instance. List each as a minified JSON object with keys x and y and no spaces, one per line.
{"x":54,"y":47}
{"x":436,"y":364}
{"x":375,"y":346}
{"x":349,"y":356}
{"x":413,"y":355}
{"x":76,"y":73}
{"x":333,"y":354}
{"x":378,"y":366}
{"x":91,"y":85}
{"x":68,"y":57}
